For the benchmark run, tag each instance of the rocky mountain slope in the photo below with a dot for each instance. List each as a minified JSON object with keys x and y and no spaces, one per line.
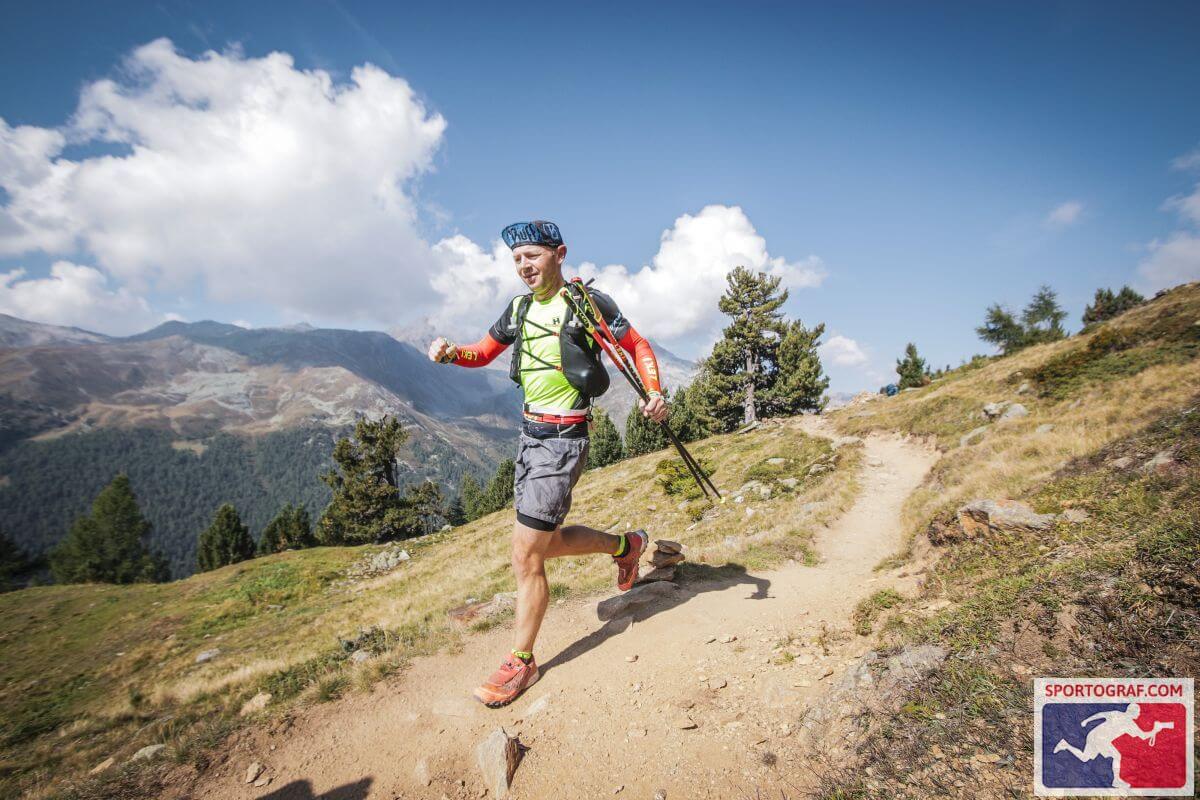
{"x":144,"y":399}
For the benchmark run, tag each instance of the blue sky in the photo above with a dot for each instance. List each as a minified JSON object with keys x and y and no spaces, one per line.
{"x":906,"y":159}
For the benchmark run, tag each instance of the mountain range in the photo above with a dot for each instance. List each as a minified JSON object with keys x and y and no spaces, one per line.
{"x":205,"y":412}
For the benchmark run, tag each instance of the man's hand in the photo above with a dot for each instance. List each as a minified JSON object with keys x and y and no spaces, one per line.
{"x":442,"y":351}
{"x":656,"y":409}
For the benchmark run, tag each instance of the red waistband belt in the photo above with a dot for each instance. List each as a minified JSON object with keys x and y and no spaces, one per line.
{"x":556,"y":419}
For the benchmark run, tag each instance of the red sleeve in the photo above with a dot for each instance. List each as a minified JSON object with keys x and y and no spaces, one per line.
{"x":479,"y":354}
{"x":643,"y":358}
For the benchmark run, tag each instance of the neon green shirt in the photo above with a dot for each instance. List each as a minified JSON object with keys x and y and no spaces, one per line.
{"x":544,"y":387}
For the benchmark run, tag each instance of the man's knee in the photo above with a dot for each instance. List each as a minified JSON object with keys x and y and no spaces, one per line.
{"x":527,"y":561}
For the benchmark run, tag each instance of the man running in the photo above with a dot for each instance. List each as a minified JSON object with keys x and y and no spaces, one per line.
{"x":558,"y":367}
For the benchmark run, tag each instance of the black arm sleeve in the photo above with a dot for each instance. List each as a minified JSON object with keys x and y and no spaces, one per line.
{"x":504,"y":330}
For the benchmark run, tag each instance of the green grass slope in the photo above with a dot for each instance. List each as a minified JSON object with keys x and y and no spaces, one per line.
{"x":1112,"y":592}
{"x":92,"y":672}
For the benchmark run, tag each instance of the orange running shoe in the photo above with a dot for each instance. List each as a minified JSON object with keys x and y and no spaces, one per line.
{"x":627,"y":565}
{"x":506,"y":683}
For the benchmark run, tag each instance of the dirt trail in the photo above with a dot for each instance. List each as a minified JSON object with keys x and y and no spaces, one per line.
{"x":595,"y":721}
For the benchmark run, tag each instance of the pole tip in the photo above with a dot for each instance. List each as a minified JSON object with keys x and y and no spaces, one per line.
{"x":722,"y":500}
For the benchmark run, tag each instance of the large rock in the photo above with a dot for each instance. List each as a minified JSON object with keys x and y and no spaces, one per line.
{"x":613,"y":607}
{"x":972,"y":436}
{"x":667,"y":546}
{"x":255,"y":704}
{"x":994,"y":410}
{"x":660,"y":574}
{"x":985,"y":517}
{"x":661,"y":558}
{"x":470,"y":612}
{"x":497,"y":757}
{"x":148,"y":752}
{"x":1015,"y":411}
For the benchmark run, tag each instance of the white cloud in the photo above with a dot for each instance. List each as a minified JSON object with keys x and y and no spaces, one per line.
{"x":257,"y":180}
{"x":672,"y":299}
{"x":1170,"y":263}
{"x":843,"y":351}
{"x":1064,"y":215}
{"x":75,"y":295}
{"x":1177,"y":259}
{"x":1187,"y":161}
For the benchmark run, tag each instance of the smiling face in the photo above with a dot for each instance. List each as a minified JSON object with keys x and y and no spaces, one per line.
{"x":540,"y":267}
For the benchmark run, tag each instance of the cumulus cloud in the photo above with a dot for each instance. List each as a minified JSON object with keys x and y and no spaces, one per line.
{"x":843,"y":351}
{"x":247,"y":176}
{"x":1064,"y":215}
{"x":674,"y":298}
{"x":1176,"y":259}
{"x":75,"y":295}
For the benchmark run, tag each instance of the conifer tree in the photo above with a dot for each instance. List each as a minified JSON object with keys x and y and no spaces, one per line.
{"x":499,"y":491}
{"x":689,"y":419}
{"x":742,"y":366}
{"x":291,"y":528}
{"x":109,"y":545}
{"x":367,"y":505}
{"x":801,"y":382}
{"x":605,"y":446}
{"x":1042,"y":319}
{"x":470,"y":494}
{"x":642,"y":434}
{"x":911,"y":368}
{"x":12,"y":563}
{"x":1107,"y":305}
{"x":424,"y":502}
{"x":1002,"y":330}
{"x":225,"y":541}
{"x":454,"y":513}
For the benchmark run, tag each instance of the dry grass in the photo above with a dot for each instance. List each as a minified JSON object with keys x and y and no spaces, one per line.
{"x":1011,"y":456}
{"x":90,"y":672}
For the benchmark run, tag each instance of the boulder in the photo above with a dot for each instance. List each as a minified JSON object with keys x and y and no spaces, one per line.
{"x":660,"y":574}
{"x":661,"y":558}
{"x":1044,"y":428}
{"x":148,"y":752}
{"x":1024,"y":388}
{"x":984,"y":517}
{"x":497,"y":757}
{"x":667,"y":546}
{"x":208,"y":655}
{"x":1015,"y":411}
{"x":102,"y":766}
{"x":253,"y":771}
{"x":994,"y":410}
{"x":468,"y":613}
{"x":775,"y":462}
{"x":790,"y":483}
{"x":617,"y":605}
{"x":255,"y":704}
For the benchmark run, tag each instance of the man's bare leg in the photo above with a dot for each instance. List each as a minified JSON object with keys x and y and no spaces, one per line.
{"x":531,"y":548}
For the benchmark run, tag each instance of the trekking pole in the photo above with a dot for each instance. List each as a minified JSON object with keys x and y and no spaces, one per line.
{"x":610,"y":346}
{"x":623,"y":364}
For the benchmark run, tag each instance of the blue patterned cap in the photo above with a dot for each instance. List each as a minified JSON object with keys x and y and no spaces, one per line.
{"x":537,"y":232}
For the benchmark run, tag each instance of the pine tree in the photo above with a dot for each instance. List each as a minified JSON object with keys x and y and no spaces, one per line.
{"x":1107,"y":305}
{"x":689,"y":419}
{"x":367,"y":505}
{"x":13,"y":562}
{"x":1002,"y":330}
{"x":471,"y":496}
{"x":499,"y":491}
{"x":1042,"y":319}
{"x":424,"y":502}
{"x":225,"y":541}
{"x":642,"y":434}
{"x":911,"y":368}
{"x":742,"y":366}
{"x":605,"y":446}
{"x":291,"y":528}
{"x":109,"y":545}
{"x":801,"y":382}
{"x":453,"y":512}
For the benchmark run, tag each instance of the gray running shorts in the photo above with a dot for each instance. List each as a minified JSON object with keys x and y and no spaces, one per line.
{"x":546,"y":471}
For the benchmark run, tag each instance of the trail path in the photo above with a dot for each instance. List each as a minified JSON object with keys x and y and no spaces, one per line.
{"x":596,"y":721}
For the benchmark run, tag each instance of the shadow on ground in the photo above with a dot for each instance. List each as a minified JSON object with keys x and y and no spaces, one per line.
{"x":693,"y":579}
{"x":302,"y":790}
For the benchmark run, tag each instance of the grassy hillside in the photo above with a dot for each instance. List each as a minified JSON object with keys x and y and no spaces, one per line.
{"x":90,"y":672}
{"x":1109,"y":590}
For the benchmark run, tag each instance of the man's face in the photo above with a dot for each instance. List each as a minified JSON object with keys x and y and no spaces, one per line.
{"x":537,"y":265}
